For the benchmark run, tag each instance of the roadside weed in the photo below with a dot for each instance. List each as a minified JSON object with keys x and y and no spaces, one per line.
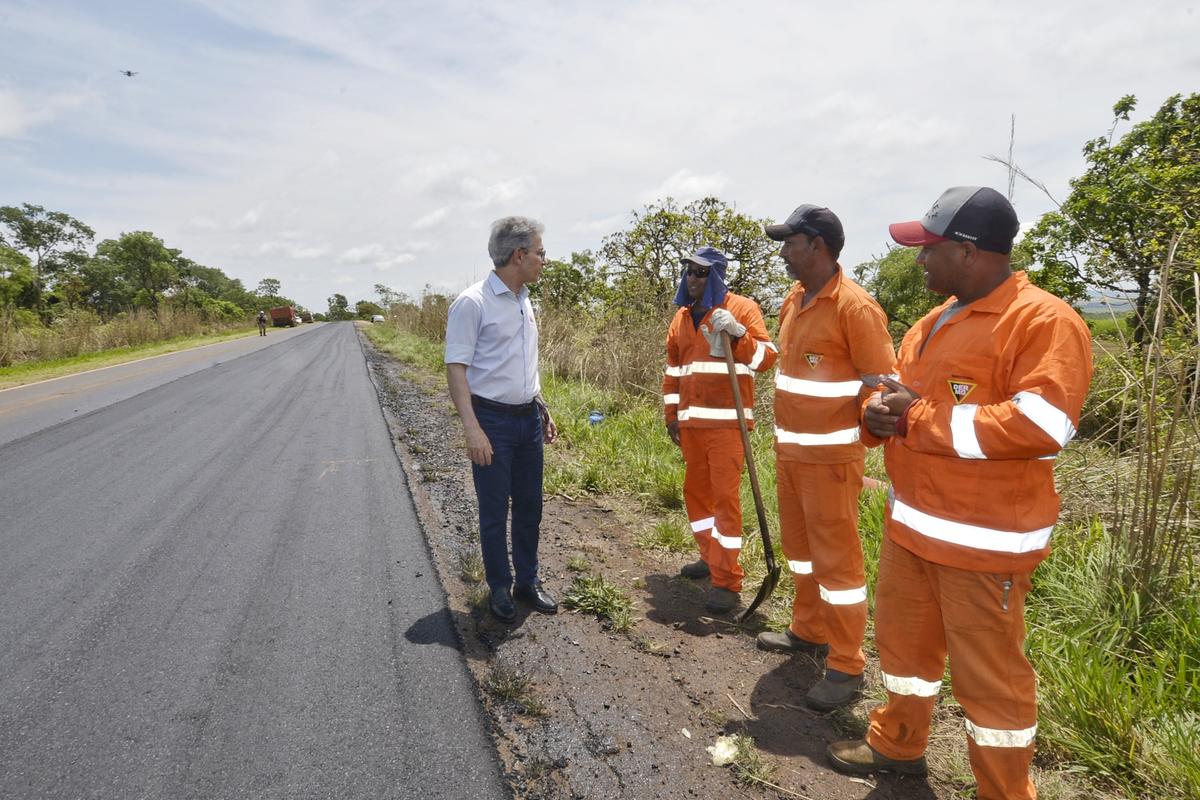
{"x":592,"y":594}
{"x":577,"y":563}
{"x":749,"y":765}
{"x":515,"y":687}
{"x":470,"y":567}
{"x":670,"y":533}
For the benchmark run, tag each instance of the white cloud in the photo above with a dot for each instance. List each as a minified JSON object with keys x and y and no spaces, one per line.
{"x":431,"y":219}
{"x":686,"y":186}
{"x":291,"y":249}
{"x":21,"y":114}
{"x":248,"y":220}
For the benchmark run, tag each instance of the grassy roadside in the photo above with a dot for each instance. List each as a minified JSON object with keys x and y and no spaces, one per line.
{"x":34,"y":371}
{"x":1115,"y":720}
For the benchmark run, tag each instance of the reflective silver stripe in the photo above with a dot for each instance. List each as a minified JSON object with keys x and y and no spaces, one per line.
{"x":700,"y":412}
{"x":800,"y":567}
{"x":996,"y":737}
{"x":817,"y":388}
{"x":1055,"y":423}
{"x":843,"y":597}
{"x":760,"y":352}
{"x":713,"y":368}
{"x":966,"y":535}
{"x":962,"y":432}
{"x":703,"y":524}
{"x":917,"y":687}
{"x":674,"y":372}
{"x":845,"y":436}
{"x":728,"y":542}
{"x":670,"y":399}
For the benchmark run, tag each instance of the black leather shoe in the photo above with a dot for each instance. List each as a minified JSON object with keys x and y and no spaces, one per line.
{"x":537,"y":597}
{"x":501,"y":605}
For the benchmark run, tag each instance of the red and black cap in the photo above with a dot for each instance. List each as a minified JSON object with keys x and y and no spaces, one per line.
{"x":974,"y":214}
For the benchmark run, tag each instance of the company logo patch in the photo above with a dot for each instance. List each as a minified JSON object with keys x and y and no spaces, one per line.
{"x":960,"y":389}
{"x":813,"y":359}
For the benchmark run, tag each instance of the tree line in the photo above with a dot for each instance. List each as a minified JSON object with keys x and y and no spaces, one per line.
{"x":48,"y":268}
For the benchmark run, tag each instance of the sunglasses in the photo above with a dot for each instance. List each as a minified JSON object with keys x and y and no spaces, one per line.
{"x":696,"y":272}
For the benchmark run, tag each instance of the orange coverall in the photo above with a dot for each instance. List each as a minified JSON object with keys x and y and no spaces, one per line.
{"x":1002,"y":383}
{"x":825,"y":347}
{"x":696,"y":393}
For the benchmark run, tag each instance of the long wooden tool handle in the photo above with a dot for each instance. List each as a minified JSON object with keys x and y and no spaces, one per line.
{"x":768,"y":551}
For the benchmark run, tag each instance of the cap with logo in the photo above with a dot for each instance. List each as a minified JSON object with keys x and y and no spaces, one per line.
{"x":812,"y":221}
{"x":714,"y":287}
{"x":976,"y":214}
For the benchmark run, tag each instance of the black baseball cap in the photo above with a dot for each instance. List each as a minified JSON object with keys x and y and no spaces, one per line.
{"x":812,"y":221}
{"x":974,"y":214}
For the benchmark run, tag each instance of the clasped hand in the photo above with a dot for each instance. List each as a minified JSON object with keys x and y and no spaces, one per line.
{"x":887,"y":406}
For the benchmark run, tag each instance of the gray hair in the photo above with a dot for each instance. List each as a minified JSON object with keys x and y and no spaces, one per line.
{"x":510,"y":234}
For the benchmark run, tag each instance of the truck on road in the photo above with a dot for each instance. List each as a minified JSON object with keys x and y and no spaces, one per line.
{"x":284,"y":316}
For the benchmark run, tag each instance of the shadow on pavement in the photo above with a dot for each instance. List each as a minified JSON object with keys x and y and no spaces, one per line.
{"x":434,"y":628}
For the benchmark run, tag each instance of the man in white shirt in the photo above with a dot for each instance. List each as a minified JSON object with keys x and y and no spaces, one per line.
{"x":492,"y":368}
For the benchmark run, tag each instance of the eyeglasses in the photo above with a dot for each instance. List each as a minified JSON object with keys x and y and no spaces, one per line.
{"x":539,"y":253}
{"x":696,"y":273}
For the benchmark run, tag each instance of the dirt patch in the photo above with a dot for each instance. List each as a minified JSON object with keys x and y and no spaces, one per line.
{"x":581,"y":711}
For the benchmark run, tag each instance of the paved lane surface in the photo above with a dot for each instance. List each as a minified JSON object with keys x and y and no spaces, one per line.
{"x":217,"y":588}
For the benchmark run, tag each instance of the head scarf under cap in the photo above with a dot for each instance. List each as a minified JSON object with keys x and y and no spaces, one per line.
{"x":715,"y":288}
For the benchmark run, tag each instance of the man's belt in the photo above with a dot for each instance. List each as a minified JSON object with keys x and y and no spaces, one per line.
{"x":522,"y":410}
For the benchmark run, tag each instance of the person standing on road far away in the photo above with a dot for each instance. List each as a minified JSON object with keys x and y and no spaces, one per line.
{"x":702,"y":418}
{"x":262,"y":323}
{"x":990,"y":386}
{"x":831,"y":334}
{"x":492,"y":368}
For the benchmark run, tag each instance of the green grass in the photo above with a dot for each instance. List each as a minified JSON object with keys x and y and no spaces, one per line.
{"x":593,"y":594}
{"x":34,"y":371}
{"x":406,"y":347}
{"x":1119,"y":683}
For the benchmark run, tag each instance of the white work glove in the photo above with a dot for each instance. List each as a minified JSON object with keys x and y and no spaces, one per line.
{"x":716,"y":345}
{"x":722,"y":320}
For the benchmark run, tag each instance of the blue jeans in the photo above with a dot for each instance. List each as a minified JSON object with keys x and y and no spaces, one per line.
{"x":515,"y":473}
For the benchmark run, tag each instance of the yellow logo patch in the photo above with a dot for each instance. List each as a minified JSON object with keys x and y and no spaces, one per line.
{"x":813,"y":359}
{"x":961,"y":389}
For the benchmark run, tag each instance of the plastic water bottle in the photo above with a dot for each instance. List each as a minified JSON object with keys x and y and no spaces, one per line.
{"x":595,"y":418}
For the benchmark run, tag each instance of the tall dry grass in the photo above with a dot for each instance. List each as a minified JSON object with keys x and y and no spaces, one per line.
{"x":81,"y":332}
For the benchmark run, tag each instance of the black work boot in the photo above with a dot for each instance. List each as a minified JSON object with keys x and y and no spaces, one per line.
{"x":788,"y":642}
{"x":835,"y":690}
{"x":696,"y":569}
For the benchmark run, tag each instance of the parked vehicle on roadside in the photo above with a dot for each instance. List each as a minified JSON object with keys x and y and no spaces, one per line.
{"x":377,"y":318}
{"x":284,"y":317}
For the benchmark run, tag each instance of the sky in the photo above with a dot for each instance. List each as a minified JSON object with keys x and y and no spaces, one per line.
{"x":336,"y":146}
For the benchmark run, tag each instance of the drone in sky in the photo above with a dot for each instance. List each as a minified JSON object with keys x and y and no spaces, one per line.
{"x":128,"y":73}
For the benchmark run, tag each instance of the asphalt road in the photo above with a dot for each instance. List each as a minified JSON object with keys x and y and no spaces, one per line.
{"x":213,"y":585}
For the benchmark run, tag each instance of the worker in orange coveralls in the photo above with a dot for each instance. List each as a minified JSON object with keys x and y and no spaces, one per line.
{"x":990,"y":388}
{"x":831,"y":334}
{"x":702,"y":418}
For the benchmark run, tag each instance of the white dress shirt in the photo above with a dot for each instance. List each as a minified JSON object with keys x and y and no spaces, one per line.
{"x":493,"y":332}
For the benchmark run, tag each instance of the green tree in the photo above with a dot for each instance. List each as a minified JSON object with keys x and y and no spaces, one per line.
{"x":644,"y":260}
{"x":142,"y":267}
{"x":386,"y":296}
{"x":897,"y":282}
{"x":339,"y":307}
{"x":1138,"y":195}
{"x":365,"y":309}
{"x":268,"y":289}
{"x":580,"y":283}
{"x":16,"y":280}
{"x":45,"y":237}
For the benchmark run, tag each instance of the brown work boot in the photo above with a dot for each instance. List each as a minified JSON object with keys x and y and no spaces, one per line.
{"x":835,"y":690}
{"x":788,"y":642}
{"x":720,"y":601}
{"x":696,"y":569}
{"x":856,"y":757}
